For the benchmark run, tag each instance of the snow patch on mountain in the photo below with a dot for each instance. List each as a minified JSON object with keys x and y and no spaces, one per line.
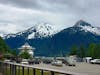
{"x":91,"y":29}
{"x":31,"y":36}
{"x":42,"y":30}
{"x":9,"y":35}
{"x":83,"y":25}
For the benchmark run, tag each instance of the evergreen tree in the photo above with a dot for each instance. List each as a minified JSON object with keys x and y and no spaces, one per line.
{"x":91,"y":50}
{"x":97,"y":51}
{"x":81,"y":51}
{"x":3,"y":46}
{"x":25,"y":55}
{"x":94,"y":50}
{"x":13,"y":52}
{"x":74,"y":50}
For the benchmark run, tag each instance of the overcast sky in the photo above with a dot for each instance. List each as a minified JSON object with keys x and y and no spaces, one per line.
{"x":17,"y":15}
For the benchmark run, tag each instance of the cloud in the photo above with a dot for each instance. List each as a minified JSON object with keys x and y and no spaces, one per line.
{"x":18,"y":15}
{"x":54,"y":5}
{"x":8,"y":28}
{"x":18,"y":18}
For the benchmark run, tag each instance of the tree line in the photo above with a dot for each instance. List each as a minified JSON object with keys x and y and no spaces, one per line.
{"x":93,"y":50}
{"x":5,"y":50}
{"x":3,"y":46}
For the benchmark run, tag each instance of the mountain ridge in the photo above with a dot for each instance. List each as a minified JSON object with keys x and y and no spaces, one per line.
{"x":60,"y":42}
{"x":45,"y":30}
{"x":38,"y":31}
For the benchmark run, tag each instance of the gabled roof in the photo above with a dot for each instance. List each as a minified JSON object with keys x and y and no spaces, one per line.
{"x":26,"y":46}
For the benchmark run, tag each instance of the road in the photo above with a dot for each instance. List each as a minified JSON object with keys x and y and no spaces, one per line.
{"x":82,"y":68}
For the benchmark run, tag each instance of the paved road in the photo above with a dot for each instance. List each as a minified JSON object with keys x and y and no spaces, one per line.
{"x":84,"y":68}
{"x":80,"y":68}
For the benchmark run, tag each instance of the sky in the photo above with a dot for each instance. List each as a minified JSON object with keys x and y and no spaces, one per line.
{"x":18,"y":15}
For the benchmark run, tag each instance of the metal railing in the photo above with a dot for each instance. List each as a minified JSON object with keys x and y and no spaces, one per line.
{"x":10,"y":68}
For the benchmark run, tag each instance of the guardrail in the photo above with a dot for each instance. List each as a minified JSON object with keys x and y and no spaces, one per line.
{"x":10,"y":68}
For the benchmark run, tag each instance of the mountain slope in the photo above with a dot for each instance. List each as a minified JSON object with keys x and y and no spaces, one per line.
{"x":37,"y":31}
{"x":87,"y":27}
{"x":60,"y":42}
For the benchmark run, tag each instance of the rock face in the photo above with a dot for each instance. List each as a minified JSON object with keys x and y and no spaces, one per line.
{"x":49,"y":42}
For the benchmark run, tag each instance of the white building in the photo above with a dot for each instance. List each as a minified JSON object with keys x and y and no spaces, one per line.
{"x":28,"y":48}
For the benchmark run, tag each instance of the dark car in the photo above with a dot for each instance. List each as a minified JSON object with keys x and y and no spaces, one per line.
{"x":36,"y":62}
{"x":31,"y":61}
{"x":47,"y":61}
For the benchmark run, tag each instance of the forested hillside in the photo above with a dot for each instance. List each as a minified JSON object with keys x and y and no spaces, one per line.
{"x":3,"y":46}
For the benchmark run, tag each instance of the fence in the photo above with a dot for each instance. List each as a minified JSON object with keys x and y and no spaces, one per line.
{"x":10,"y":68}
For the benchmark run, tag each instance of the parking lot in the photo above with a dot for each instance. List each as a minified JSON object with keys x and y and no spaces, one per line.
{"x":82,"y":68}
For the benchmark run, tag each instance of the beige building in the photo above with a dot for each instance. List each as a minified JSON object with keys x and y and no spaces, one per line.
{"x":28,"y":48}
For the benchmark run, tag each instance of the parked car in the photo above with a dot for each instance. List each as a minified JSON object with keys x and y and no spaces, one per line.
{"x":47,"y":61}
{"x":24,"y":61}
{"x":36,"y":61}
{"x":57,"y":63}
{"x":18,"y":60}
{"x":95,"y":61}
{"x":31,"y":62}
{"x":70,"y":61}
{"x":7,"y":60}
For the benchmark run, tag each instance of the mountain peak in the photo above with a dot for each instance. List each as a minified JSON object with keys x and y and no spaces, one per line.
{"x":39,"y":30}
{"x":82,"y":23}
{"x":42,"y":30}
{"x":85,"y":26}
{"x":44,"y":25}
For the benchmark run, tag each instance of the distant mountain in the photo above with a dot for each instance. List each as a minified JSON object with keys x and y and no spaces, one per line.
{"x":87,"y":27}
{"x":37,"y":31}
{"x":49,"y":42}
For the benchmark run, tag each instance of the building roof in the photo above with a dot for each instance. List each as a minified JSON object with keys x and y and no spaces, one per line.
{"x":26,"y":46}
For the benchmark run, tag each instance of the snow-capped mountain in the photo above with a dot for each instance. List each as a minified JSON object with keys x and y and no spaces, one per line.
{"x":46,"y":30}
{"x":82,"y":33}
{"x":42,"y":30}
{"x":84,"y":26}
{"x":37,"y":31}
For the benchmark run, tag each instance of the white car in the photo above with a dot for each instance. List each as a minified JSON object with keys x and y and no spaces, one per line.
{"x":24,"y":61}
{"x":57,"y":63}
{"x":7,"y":60}
{"x":95,"y":61}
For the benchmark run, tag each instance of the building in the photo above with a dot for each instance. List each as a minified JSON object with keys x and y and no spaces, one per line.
{"x":28,"y":48}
